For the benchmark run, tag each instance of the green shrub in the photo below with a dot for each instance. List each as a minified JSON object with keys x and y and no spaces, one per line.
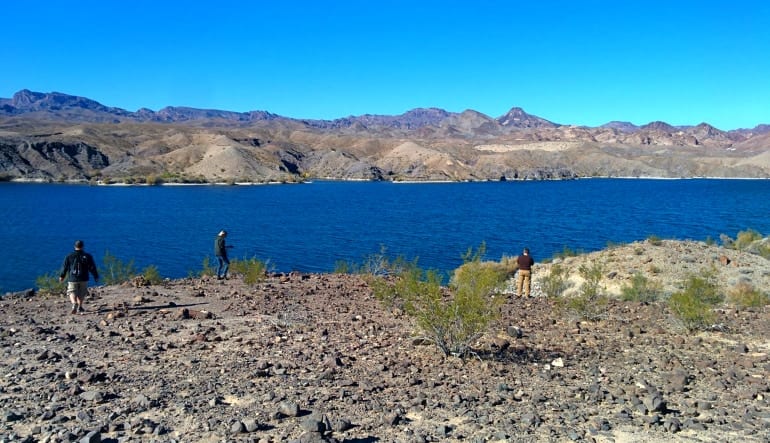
{"x":764,"y":251}
{"x":344,"y":267}
{"x":693,"y":305}
{"x":746,"y":238}
{"x":453,"y":319}
{"x":252,"y":269}
{"x":116,"y":271}
{"x":744,"y":295}
{"x":641,"y":289}
{"x":590,"y":303}
{"x":382,"y":264}
{"x":49,"y":284}
{"x":207,"y":268}
{"x":555,"y":283}
{"x":567,"y":252}
{"x":151,"y":275}
{"x":654,"y":240}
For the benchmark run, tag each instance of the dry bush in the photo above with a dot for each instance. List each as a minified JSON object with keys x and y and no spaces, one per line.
{"x":590,"y":303}
{"x":744,"y":295}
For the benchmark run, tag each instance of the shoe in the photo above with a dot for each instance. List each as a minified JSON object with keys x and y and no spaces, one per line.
{"x":81,"y":311}
{"x":74,"y":311}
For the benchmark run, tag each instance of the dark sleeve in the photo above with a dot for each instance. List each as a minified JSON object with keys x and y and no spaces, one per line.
{"x":65,"y":267}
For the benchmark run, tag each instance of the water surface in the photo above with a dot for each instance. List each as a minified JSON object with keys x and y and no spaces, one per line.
{"x":310,"y":227}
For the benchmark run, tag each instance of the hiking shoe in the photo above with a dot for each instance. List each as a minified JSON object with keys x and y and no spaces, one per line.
{"x":74,"y":311}
{"x":81,"y":311}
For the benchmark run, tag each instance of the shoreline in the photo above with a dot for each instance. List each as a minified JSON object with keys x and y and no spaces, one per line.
{"x":342,"y":180}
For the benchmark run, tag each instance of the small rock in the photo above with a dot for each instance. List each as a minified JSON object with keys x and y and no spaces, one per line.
{"x":312,"y":424}
{"x":237,"y":428}
{"x":94,"y":396}
{"x":288,"y":409}
{"x":250,"y":424}
{"x":341,"y":425}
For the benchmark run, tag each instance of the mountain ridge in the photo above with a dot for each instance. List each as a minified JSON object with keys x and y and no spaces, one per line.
{"x":26,"y":101}
{"x":56,"y":136}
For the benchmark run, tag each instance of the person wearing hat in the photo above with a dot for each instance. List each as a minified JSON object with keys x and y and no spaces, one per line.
{"x":220,"y":250}
{"x":78,"y":264}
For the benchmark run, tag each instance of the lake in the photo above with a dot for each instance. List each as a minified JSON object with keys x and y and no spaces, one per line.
{"x":310,"y":227}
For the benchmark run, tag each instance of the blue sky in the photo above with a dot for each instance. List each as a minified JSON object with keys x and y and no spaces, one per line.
{"x":571,"y":62}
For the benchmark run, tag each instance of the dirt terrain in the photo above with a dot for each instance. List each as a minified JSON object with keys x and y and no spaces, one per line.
{"x":311,"y":358}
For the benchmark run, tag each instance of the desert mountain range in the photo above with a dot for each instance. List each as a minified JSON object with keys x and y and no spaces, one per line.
{"x":60,"y":137}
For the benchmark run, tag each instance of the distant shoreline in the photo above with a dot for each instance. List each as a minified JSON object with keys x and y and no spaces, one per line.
{"x":121,"y":184}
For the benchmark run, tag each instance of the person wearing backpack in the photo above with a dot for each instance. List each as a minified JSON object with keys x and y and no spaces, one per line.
{"x":78,"y":265}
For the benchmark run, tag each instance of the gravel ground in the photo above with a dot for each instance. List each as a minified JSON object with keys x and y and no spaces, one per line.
{"x":314,"y":357}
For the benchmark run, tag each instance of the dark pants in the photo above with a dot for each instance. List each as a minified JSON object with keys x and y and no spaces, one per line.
{"x":224,"y":265}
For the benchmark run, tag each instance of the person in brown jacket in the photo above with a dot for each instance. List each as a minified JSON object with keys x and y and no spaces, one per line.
{"x":524,"y":280}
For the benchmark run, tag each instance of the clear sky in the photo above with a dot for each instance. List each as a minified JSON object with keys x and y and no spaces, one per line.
{"x":571,"y":62}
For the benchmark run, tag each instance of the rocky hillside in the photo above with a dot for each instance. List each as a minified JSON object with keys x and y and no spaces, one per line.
{"x":315,"y":358}
{"x":54,"y":136}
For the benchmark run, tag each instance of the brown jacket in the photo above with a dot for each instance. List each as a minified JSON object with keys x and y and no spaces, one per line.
{"x":525,"y":262}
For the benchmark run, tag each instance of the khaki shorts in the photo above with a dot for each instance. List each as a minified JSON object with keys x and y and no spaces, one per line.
{"x":77,"y":288}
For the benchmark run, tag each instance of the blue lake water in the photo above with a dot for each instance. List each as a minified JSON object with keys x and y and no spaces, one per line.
{"x":310,"y":227}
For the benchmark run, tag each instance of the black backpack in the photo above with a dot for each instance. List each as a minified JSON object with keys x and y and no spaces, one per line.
{"x":79,"y":267}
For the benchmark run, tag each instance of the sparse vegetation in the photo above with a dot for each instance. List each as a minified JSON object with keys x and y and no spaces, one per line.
{"x":381,"y":264}
{"x":567,"y":252}
{"x":452,"y":318}
{"x":555,"y":283}
{"x":151,"y":275}
{"x":49,"y":284}
{"x":207,"y":268}
{"x":590,"y":303}
{"x":344,"y":267}
{"x":745,"y":295}
{"x":115,"y":271}
{"x":641,"y":289}
{"x":252,"y":269}
{"x":746,"y":238}
{"x":654,"y":240}
{"x":693,"y":305}
{"x":153,"y":180}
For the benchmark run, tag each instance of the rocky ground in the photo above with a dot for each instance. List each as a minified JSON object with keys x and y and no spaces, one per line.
{"x":316,"y":358}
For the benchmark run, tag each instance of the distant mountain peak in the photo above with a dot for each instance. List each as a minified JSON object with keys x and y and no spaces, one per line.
{"x":621,"y":126}
{"x":517,"y":118}
{"x":659,"y":126}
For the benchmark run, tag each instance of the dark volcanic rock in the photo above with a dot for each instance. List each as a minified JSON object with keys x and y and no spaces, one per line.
{"x":303,"y":357}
